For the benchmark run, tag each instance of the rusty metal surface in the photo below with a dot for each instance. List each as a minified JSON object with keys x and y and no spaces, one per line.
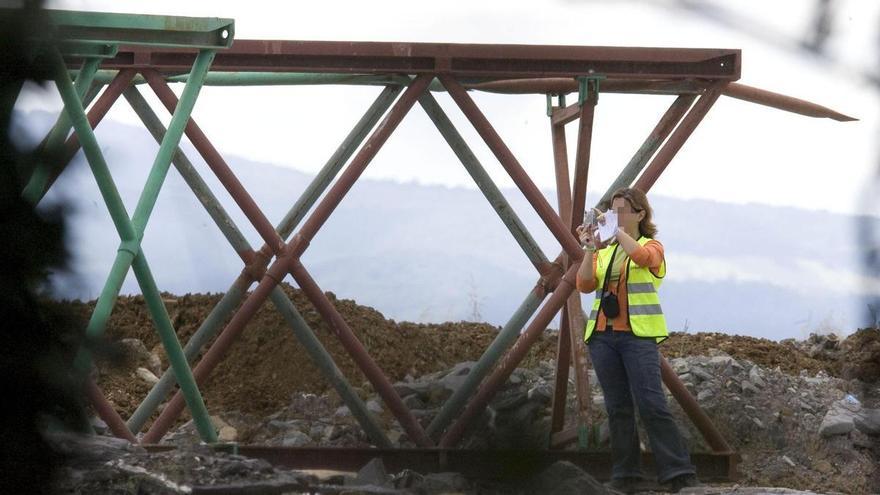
{"x":106,"y":411}
{"x":483,"y":464}
{"x":692,"y":408}
{"x":678,"y":138}
{"x":463,"y":60}
{"x":783,"y":102}
{"x":512,"y":166}
{"x":361,"y":356}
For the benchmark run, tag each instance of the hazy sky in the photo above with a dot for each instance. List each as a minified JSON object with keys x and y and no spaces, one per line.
{"x":741,"y":152}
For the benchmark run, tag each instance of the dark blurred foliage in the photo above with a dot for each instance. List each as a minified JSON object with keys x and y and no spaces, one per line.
{"x":37,"y":340}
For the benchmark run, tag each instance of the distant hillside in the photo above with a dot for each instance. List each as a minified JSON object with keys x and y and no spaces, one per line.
{"x":429,"y":253}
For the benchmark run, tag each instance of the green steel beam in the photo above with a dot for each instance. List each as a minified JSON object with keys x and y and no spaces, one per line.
{"x":131,"y":231}
{"x":35,"y":188}
{"x":139,"y":29}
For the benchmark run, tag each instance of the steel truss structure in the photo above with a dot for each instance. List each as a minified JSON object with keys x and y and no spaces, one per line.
{"x":124,"y":52}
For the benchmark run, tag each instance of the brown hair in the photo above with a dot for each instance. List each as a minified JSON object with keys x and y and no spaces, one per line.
{"x":639,"y":202}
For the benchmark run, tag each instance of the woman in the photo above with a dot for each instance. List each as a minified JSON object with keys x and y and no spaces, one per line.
{"x":623,"y":330}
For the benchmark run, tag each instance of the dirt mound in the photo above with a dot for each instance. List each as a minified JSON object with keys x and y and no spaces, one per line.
{"x":861,"y":352}
{"x":267,"y":364}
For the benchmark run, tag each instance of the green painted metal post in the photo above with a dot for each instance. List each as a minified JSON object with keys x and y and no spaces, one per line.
{"x":35,"y":188}
{"x":483,"y":181}
{"x":506,"y":337}
{"x":131,"y":231}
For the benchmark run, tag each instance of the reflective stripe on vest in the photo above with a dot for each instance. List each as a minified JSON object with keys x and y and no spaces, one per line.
{"x":645,"y":314}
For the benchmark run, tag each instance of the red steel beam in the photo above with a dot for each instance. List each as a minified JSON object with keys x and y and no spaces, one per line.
{"x":560,"y":387}
{"x":513,"y":167}
{"x":107,"y":413}
{"x":582,"y":160}
{"x":783,"y":102}
{"x":692,"y":408}
{"x":360,"y":355}
{"x":678,"y":138}
{"x":510,"y":360}
{"x":455,"y":59}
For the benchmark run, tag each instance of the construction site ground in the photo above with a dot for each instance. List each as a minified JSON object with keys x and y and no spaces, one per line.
{"x":267,"y":372}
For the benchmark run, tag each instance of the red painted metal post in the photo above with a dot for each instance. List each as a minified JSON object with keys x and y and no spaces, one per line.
{"x":563,"y":348}
{"x":360,"y":355}
{"x":513,"y":357}
{"x":218,"y":165}
{"x":107,"y":413}
{"x":514,"y":169}
{"x":560,"y":387}
{"x":692,"y":408}
{"x":678,"y":137}
{"x":582,"y":159}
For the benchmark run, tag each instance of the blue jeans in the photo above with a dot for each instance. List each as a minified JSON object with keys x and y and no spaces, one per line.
{"x":629,"y":367}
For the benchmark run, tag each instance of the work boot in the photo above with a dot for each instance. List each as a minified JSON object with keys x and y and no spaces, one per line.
{"x":682,"y":481}
{"x":625,"y":485}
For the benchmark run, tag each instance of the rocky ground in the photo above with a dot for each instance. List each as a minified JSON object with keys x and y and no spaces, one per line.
{"x":804,"y":415}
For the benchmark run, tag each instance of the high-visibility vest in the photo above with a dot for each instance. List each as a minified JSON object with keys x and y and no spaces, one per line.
{"x":644,"y":311}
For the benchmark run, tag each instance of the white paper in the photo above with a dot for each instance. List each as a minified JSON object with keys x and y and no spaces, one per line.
{"x":609,"y":228}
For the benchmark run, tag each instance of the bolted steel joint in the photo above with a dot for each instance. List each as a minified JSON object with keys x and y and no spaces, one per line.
{"x":551,"y":274}
{"x":255,"y":269}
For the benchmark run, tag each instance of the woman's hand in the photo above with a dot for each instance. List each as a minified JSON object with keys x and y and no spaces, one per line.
{"x":588,"y":237}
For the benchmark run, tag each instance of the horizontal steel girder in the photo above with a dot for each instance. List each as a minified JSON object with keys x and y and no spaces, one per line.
{"x":482,"y":464}
{"x":458,"y":60}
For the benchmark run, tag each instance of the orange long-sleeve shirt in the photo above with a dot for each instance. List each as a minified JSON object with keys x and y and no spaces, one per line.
{"x":650,"y":255}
